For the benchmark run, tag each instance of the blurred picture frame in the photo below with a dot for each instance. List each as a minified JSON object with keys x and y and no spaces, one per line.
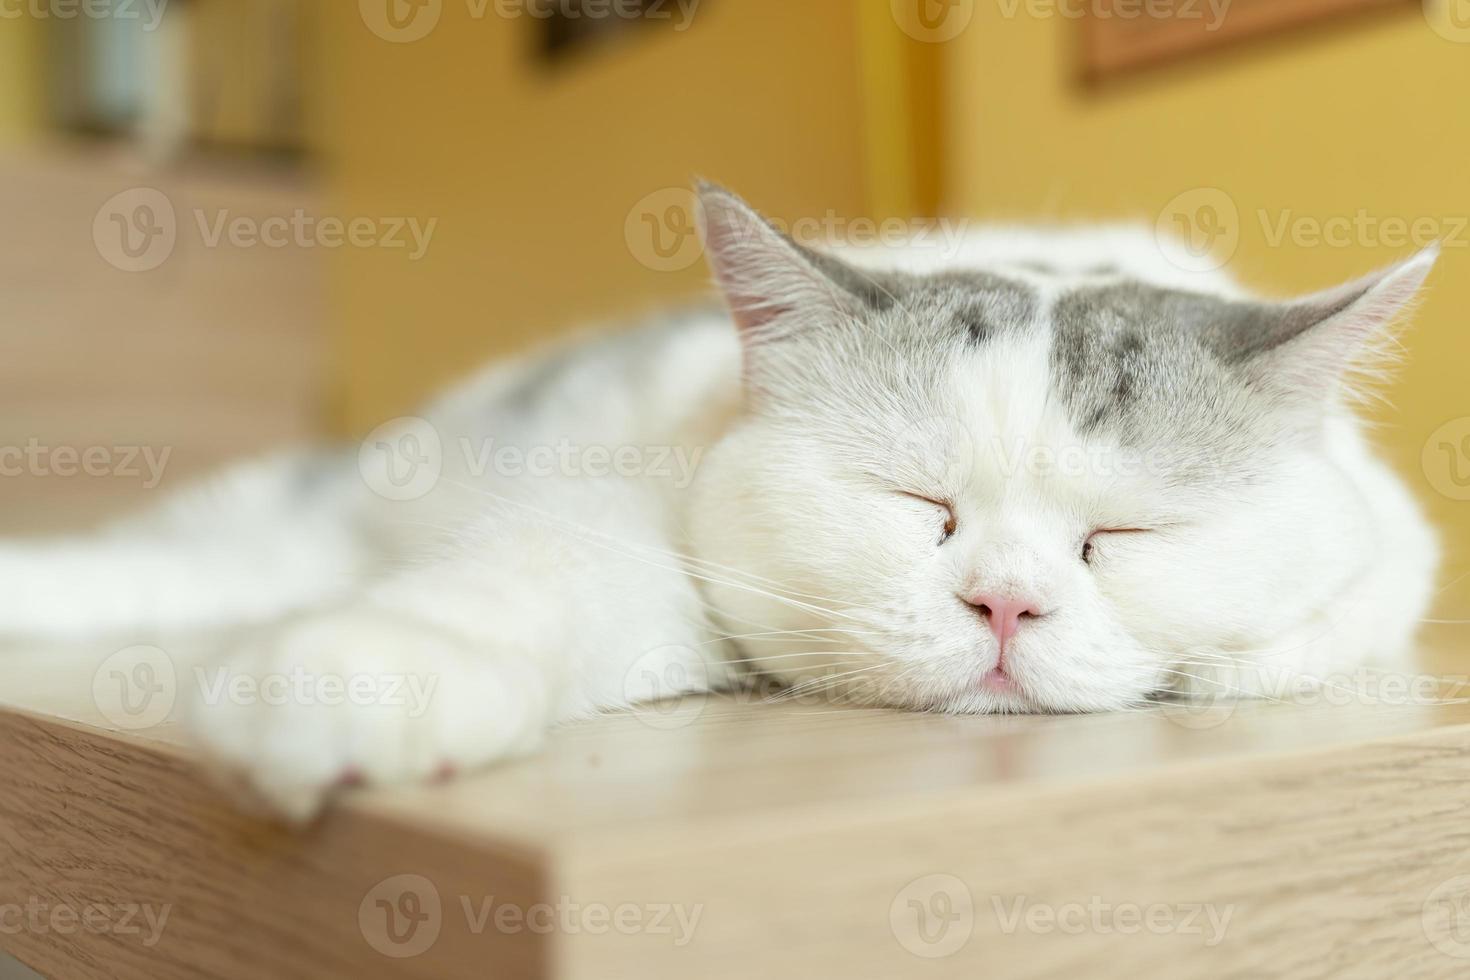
{"x":572,"y":26}
{"x":1120,"y":36}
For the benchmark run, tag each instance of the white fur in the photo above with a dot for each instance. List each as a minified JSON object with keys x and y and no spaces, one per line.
{"x":526,"y":601}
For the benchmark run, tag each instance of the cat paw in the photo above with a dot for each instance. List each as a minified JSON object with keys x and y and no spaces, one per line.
{"x":358,"y":697}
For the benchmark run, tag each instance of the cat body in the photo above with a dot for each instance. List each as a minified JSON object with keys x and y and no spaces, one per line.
{"x":1051,"y":472}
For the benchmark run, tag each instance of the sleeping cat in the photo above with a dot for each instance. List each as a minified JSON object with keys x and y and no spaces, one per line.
{"x":1053,"y":473}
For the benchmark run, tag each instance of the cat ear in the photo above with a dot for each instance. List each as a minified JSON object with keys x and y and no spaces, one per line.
{"x":773,"y":285}
{"x":1310,"y":343}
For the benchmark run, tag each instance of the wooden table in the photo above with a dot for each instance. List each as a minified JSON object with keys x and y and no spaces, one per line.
{"x":724,"y":839}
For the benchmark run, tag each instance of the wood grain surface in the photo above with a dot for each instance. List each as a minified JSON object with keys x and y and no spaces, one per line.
{"x":717,"y":838}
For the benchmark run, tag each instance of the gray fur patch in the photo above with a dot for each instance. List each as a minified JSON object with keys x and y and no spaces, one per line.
{"x":877,"y":291}
{"x":967,"y":306}
{"x":314,"y":475}
{"x":638,"y":346}
{"x":1124,"y":349}
{"x":974,"y":306}
{"x":1165,"y":369}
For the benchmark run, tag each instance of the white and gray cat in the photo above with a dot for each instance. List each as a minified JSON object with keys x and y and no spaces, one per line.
{"x":1052,"y":473}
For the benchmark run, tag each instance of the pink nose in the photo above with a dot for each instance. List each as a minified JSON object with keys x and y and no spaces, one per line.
{"x":1004,"y":615}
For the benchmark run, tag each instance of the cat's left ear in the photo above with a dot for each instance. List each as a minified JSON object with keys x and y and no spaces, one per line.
{"x":1310,"y":343}
{"x":774,"y":286}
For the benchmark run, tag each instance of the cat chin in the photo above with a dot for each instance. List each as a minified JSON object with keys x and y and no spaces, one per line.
{"x":947,"y":691}
{"x":980,"y":701}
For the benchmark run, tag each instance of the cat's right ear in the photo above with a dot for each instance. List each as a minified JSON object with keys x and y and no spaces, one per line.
{"x":774,"y":287}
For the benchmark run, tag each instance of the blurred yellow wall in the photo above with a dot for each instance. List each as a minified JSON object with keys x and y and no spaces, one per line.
{"x":536,"y":172}
{"x":539,"y":175}
{"x":1319,"y":124}
{"x":20,"y":43}
{"x":246,"y":58}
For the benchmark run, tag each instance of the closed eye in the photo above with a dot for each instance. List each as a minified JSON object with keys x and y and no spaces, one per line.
{"x":951,"y":523}
{"x":1087,"y":544}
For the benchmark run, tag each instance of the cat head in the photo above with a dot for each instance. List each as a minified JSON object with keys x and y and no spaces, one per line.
{"x":972,"y":491}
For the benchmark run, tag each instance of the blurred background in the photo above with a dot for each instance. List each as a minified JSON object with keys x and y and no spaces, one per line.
{"x":228,"y":224}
